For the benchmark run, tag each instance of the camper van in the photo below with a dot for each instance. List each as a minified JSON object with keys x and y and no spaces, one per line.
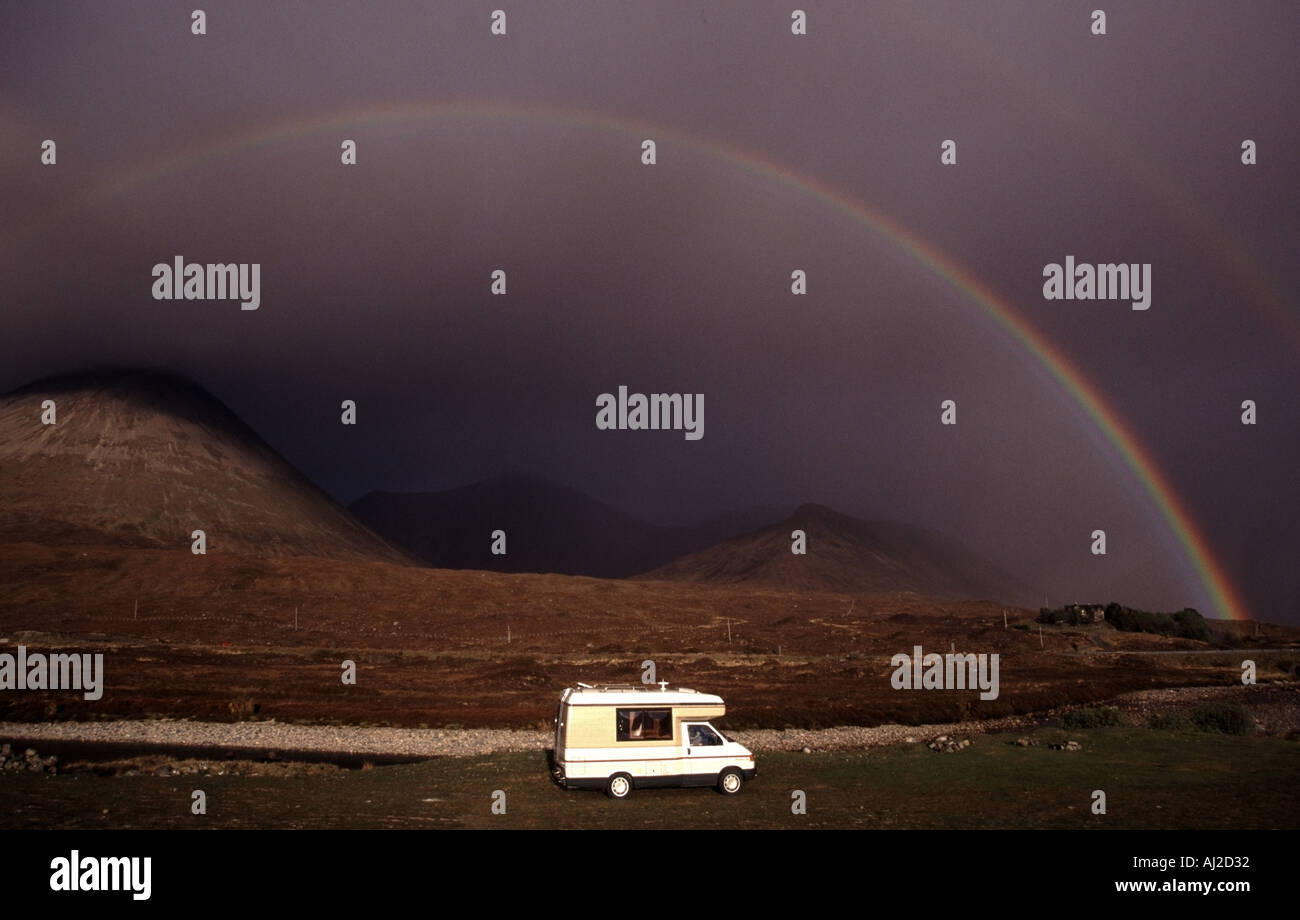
{"x":624,"y":737}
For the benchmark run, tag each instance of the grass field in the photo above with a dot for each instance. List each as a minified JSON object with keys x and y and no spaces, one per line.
{"x":1152,"y":779}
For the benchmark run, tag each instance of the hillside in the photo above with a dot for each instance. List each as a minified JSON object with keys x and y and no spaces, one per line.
{"x":144,"y":459}
{"x":847,"y":554}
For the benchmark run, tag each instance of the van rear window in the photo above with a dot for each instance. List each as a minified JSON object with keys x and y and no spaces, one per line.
{"x":644,"y":724}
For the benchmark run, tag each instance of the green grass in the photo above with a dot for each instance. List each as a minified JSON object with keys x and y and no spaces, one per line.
{"x":1228,"y":718}
{"x":1216,"y":716}
{"x":1152,"y":779}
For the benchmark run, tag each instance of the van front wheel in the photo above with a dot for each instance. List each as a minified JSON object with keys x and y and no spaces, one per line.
{"x":619,"y":786}
{"x":730,"y":781}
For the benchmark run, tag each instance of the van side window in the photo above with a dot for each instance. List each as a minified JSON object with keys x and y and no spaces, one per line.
{"x":644,"y":724}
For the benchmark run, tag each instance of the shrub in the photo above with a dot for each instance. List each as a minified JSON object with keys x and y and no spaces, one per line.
{"x":1092,"y":717}
{"x":1170,"y":721}
{"x":1229,"y":639}
{"x":1059,"y":615}
{"x":1228,"y":718}
{"x":1070,"y":615}
{"x":1185,"y":624}
{"x":1189,"y":624}
{"x":1128,"y":620}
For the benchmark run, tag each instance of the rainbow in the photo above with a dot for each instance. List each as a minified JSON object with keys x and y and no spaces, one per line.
{"x":1210,"y":573}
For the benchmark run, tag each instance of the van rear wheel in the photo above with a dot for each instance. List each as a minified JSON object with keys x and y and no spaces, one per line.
{"x":619,"y":786}
{"x":730,"y":781}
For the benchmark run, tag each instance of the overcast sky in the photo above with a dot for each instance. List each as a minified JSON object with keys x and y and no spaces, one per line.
{"x":523,"y":152}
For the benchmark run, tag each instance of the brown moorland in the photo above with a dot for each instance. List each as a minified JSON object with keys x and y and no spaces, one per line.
{"x":96,"y":514}
{"x":214,"y":637}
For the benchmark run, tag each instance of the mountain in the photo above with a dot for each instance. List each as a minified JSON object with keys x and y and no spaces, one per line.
{"x":849,"y":555}
{"x":143,"y":459}
{"x":549,"y":528}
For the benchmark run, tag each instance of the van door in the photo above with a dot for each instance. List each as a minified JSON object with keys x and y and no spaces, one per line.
{"x":704,"y":752}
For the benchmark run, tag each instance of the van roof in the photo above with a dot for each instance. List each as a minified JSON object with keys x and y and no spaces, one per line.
{"x":632,"y":695}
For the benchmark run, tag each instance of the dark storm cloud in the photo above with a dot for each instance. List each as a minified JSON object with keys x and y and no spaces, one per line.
{"x":375,"y":278}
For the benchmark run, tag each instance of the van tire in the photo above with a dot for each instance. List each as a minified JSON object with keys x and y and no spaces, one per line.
{"x":618,"y":786}
{"x":730,"y":780}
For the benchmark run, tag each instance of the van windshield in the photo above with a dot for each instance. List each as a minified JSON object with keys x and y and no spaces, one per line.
{"x":704,"y":736}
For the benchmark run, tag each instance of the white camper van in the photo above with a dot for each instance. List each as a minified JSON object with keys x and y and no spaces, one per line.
{"x":621,"y":737}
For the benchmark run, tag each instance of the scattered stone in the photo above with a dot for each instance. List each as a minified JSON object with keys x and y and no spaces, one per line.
{"x":31,"y":761}
{"x":946,"y":744}
{"x":1068,"y":746}
{"x":807,"y":750}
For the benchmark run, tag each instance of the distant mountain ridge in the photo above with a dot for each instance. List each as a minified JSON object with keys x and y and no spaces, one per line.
{"x":845,"y":553}
{"x":144,"y":458}
{"x":549,"y":528}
